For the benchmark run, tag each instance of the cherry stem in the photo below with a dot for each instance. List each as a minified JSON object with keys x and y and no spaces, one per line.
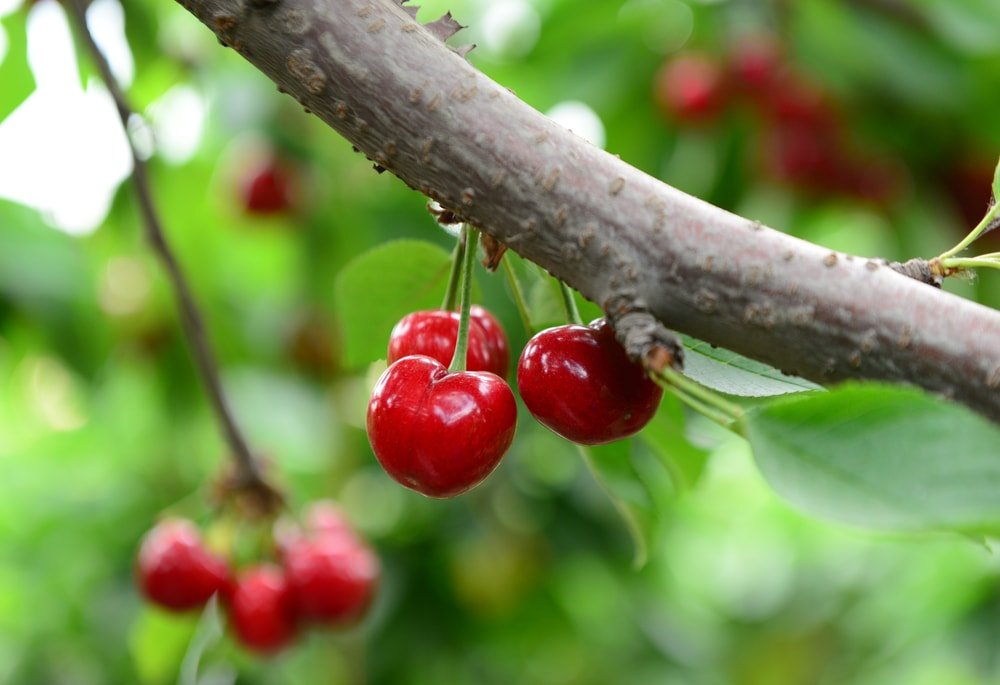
{"x":569,"y":304}
{"x":457,"y":257}
{"x":517,"y":294}
{"x":248,"y":474}
{"x":989,"y":261}
{"x":462,"y":343}
{"x":701,"y":399}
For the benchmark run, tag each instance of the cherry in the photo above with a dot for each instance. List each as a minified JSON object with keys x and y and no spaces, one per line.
{"x":175,"y":571}
{"x":754,"y":62}
{"x":439,"y":432}
{"x":268,"y":188}
{"x":578,"y":382}
{"x":332,"y":576}
{"x":261,"y":610}
{"x":691,"y":88}
{"x":326,"y":518}
{"x":433,"y":333}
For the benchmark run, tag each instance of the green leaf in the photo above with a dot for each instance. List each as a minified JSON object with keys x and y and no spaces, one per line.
{"x":615,"y":470}
{"x":378,"y":288}
{"x":881,"y":457}
{"x":15,"y":74}
{"x":157,"y":642}
{"x":665,"y":437}
{"x":734,"y":374}
{"x":641,"y":479}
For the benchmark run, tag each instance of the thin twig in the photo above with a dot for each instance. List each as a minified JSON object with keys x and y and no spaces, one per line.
{"x":248,"y":473}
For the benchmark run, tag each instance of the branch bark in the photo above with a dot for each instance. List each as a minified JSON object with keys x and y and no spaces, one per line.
{"x":418,"y":109}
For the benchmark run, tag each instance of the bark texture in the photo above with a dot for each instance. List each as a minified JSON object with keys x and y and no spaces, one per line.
{"x":417,"y":108}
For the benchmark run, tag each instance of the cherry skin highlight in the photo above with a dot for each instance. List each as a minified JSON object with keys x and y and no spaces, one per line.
{"x":578,"y":382}
{"x":261,"y":611}
{"x":332,"y":577}
{"x":434,"y":332}
{"x":436,"y":432}
{"x":175,"y":571}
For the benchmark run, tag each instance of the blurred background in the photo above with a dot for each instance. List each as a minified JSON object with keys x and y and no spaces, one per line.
{"x":869,"y":126}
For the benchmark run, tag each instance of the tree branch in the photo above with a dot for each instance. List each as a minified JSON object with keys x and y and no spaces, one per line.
{"x":248,"y":474}
{"x":416,"y":108}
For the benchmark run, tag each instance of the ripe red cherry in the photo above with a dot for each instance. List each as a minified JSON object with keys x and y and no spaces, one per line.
{"x":175,"y":571}
{"x":268,"y":188}
{"x":436,"y":432}
{"x":433,"y":333}
{"x":260,"y":609}
{"x":691,"y":88}
{"x":332,"y":576}
{"x":578,"y":381}
{"x":754,"y":62}
{"x":325,"y":517}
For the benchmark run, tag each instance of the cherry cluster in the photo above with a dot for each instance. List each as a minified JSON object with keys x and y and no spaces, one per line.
{"x":326,"y":575}
{"x":805,"y":141}
{"x":441,"y":433}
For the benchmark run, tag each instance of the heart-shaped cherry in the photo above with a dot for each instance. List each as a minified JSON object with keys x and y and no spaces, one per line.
{"x":434,"y":332}
{"x":261,"y":610}
{"x":439,"y":432}
{"x":174,"y":569}
{"x":332,"y":576}
{"x":578,"y":381}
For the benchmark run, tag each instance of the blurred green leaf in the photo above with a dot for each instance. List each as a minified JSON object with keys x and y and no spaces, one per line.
{"x":15,"y":74}
{"x":158,"y":642}
{"x":380,"y":287}
{"x":665,"y":435}
{"x":614,"y":469}
{"x":734,"y":374}
{"x":882,"y":457}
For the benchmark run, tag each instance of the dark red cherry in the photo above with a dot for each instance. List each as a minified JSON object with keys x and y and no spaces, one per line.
{"x":691,"y":88}
{"x":261,"y":610}
{"x":175,"y":570}
{"x":754,"y":62}
{"x":436,"y":432}
{"x":578,"y":381}
{"x":268,"y":188}
{"x":332,"y":576}
{"x":433,"y":333}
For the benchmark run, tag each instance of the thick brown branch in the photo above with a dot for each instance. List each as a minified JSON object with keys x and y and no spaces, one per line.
{"x":248,"y":475}
{"x":416,"y":108}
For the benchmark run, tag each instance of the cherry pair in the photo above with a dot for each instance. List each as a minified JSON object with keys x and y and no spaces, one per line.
{"x":442,"y":433}
{"x":439,"y":432}
{"x":327,"y":576}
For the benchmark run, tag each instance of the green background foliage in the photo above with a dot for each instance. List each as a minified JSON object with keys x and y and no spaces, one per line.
{"x":531,"y":577}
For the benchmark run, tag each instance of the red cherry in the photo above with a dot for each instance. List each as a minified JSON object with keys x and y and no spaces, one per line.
{"x":325,"y":517}
{"x":436,"y":432}
{"x":578,"y":381}
{"x":175,"y":571}
{"x":261,"y":611}
{"x":267,"y":189}
{"x":433,"y":333}
{"x":691,"y":88}
{"x":332,"y":577}
{"x":754,"y":62}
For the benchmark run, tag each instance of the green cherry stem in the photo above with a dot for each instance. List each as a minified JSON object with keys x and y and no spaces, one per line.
{"x":569,"y":304}
{"x":983,"y":262}
{"x":457,"y":257}
{"x":517,"y":294}
{"x":974,"y":234}
{"x":709,"y":403}
{"x":462,"y":344}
